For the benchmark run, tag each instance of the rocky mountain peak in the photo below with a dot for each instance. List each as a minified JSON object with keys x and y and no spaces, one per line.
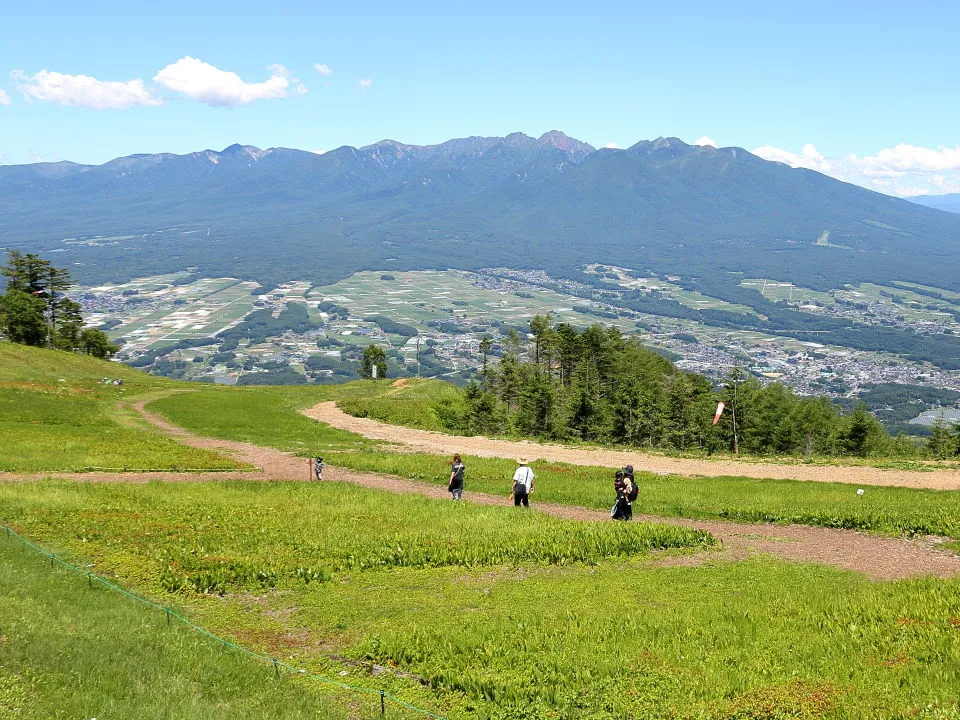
{"x":562,"y":141}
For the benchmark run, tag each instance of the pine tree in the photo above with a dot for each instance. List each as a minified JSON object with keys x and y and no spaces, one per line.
{"x":21,"y":318}
{"x":373,"y":364}
{"x":941,"y":443}
{"x":30,"y":275}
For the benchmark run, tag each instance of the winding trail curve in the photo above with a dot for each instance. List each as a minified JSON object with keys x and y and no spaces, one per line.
{"x":877,"y":557}
{"x":433,"y":442}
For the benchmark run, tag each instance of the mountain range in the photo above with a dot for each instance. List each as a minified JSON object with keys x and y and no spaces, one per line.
{"x":706,"y":214}
{"x":949,"y":202}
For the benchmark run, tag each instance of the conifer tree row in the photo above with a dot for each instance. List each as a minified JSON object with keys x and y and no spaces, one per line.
{"x":36,"y":310}
{"x":600,"y":386}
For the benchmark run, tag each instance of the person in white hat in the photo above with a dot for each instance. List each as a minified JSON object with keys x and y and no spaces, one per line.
{"x":522,"y":484}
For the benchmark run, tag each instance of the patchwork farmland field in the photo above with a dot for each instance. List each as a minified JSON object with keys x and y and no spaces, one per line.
{"x":422,"y":296}
{"x":158,"y":310}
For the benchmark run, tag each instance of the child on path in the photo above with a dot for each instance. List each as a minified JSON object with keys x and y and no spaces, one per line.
{"x":455,"y":486}
{"x":522,"y":484}
{"x":318,"y":468}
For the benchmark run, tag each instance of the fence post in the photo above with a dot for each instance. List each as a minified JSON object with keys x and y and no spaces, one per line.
{"x":276,"y":668}
{"x":383,"y":707}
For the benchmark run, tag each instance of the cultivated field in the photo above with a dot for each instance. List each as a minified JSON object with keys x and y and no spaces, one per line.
{"x":418,"y":297}
{"x":155,"y":311}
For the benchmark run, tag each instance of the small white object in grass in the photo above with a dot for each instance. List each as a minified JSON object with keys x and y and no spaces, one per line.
{"x":859,"y":491}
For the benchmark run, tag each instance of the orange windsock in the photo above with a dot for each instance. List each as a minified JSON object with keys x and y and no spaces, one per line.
{"x":716,"y":418}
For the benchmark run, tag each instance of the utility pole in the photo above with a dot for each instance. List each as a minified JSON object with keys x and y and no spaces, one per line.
{"x":736,"y":439}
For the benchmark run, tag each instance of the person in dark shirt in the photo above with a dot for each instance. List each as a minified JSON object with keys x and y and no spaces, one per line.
{"x":623,"y":486}
{"x":455,"y":486}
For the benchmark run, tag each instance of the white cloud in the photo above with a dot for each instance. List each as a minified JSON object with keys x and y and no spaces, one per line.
{"x":808,"y":158}
{"x":902,"y":170}
{"x":83,"y":90}
{"x":322,"y":69}
{"x":365,"y":83}
{"x":612,"y":146}
{"x":319,"y":152}
{"x":706,"y":141}
{"x":221,"y":88}
{"x":4,"y":98}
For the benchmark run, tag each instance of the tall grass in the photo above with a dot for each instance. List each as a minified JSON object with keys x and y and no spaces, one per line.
{"x":69,"y":650}
{"x":199,"y":539}
{"x":622,"y":638}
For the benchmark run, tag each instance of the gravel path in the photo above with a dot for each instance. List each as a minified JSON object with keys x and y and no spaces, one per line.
{"x":440,"y":443}
{"x":877,"y":557}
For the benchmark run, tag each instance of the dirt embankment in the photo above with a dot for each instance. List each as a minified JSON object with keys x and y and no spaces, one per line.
{"x":434,"y":442}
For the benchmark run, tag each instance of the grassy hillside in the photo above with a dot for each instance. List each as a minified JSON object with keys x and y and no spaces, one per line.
{"x":415,"y":403}
{"x":57,"y":413}
{"x":506,"y":634}
{"x":269,"y":416}
{"x":474,"y":613}
{"x":74,"y":651}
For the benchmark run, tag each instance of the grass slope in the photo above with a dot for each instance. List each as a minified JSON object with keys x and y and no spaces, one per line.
{"x":197,"y":539}
{"x":526,"y":639}
{"x":269,"y":416}
{"x":56,"y":413}
{"x":70,"y":650}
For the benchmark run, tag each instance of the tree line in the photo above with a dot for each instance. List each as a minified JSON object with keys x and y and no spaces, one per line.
{"x":36,"y":310}
{"x":598,"y":385}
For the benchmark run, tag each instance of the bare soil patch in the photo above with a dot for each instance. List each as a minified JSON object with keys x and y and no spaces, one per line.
{"x":434,"y":442}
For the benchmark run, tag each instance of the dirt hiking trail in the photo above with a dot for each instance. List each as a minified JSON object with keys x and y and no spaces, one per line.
{"x":877,"y":557}
{"x":434,"y":442}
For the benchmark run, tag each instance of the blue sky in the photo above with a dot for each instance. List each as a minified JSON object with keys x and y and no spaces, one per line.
{"x":863,"y":91}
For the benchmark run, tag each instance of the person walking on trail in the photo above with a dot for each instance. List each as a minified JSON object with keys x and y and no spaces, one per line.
{"x":455,"y":486}
{"x":620,"y":505}
{"x":522,"y":484}
{"x":626,"y":488}
{"x":318,"y":468}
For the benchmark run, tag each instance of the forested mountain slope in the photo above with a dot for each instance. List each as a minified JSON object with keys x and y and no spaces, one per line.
{"x":551,"y":202}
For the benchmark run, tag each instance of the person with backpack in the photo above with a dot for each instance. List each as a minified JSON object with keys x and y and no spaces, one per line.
{"x":522,"y":485}
{"x":632,"y":491}
{"x":455,"y":486}
{"x":620,"y":505}
{"x":318,"y":468}
{"x":627,"y":492}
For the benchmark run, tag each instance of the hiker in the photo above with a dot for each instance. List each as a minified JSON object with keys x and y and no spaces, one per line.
{"x":522,"y":484}
{"x":630,"y":493}
{"x":455,"y":486}
{"x":318,"y":468}
{"x":621,"y":506}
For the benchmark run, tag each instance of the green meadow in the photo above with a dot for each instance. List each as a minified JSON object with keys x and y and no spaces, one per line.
{"x":270,"y":417}
{"x":479,"y":612}
{"x":74,"y":650}
{"x":464,"y":611}
{"x":56,"y":413}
